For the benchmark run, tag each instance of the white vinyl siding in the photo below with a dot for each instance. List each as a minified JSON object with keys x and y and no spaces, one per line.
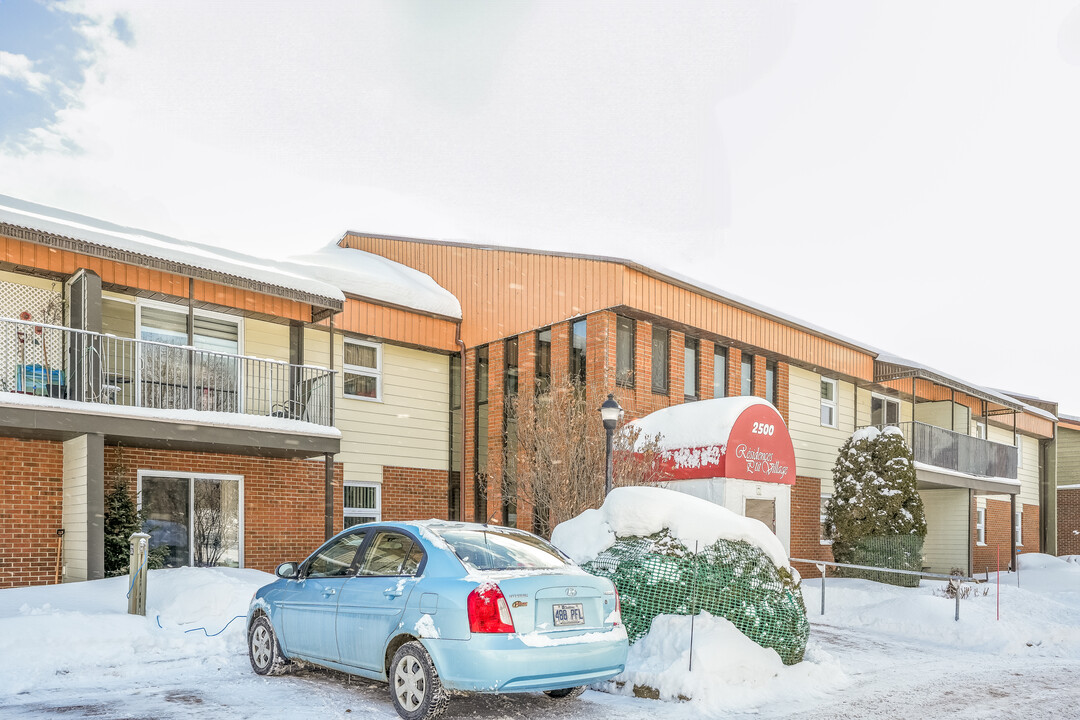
{"x":75,"y":564}
{"x":816,"y":446}
{"x":946,"y":542}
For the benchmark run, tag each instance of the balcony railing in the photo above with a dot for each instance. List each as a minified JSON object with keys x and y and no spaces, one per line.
{"x":955,"y":451}
{"x":61,"y":362}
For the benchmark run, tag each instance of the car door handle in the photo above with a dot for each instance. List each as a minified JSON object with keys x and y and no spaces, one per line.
{"x":391,"y":592}
{"x":328,"y":592}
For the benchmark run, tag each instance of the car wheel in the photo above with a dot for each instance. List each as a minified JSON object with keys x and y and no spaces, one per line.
{"x":563,"y":693}
{"x":415,"y":687}
{"x":263,"y":649}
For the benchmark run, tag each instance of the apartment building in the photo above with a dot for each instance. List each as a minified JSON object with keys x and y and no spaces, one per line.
{"x":655,"y":340}
{"x":1068,"y":485}
{"x":252,"y":408}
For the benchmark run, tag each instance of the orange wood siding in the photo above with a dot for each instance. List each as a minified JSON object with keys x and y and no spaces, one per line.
{"x":32,"y":255}
{"x":504,"y":293}
{"x":396,"y":325}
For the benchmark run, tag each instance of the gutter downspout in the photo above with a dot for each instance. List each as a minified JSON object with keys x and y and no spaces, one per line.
{"x":461,"y":390}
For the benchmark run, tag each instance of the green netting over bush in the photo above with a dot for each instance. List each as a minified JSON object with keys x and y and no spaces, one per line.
{"x":658,"y":575}
{"x":898,"y":552}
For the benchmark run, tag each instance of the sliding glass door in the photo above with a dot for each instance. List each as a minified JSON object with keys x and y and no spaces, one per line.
{"x":193,"y":520}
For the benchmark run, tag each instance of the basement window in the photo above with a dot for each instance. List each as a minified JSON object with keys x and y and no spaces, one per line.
{"x":362,"y":503}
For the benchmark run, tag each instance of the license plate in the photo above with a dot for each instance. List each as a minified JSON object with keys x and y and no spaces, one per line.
{"x":568,"y":614}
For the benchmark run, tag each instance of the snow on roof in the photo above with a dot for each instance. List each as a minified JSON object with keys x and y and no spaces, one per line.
{"x":1031,"y":409}
{"x":357,"y":272}
{"x":697,"y":424}
{"x":996,"y":396}
{"x":640,"y":511}
{"x":206,"y":257}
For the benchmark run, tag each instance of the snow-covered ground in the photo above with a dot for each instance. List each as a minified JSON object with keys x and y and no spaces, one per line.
{"x":71,"y":651}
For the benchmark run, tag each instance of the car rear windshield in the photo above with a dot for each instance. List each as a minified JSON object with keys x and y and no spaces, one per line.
{"x":502,"y":549}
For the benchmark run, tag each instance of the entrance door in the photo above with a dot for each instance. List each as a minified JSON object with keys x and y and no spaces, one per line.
{"x":763,"y":510}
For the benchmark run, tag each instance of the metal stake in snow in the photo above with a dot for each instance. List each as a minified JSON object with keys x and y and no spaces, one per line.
{"x":693,"y":585}
{"x":822,"y":569}
{"x":140,"y":547}
{"x":998,"y":593}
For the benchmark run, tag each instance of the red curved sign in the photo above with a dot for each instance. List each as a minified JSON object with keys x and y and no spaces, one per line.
{"x":758,"y":448}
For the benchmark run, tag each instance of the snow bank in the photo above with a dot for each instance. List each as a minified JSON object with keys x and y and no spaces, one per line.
{"x":78,"y":634}
{"x":690,"y":425}
{"x":730,"y":671}
{"x":643,"y":511}
{"x":357,"y":272}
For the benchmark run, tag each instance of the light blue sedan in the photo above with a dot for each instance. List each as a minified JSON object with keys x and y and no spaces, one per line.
{"x":437,"y":607}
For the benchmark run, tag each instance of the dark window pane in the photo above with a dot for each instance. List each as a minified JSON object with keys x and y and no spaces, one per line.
{"x":166,"y":509}
{"x":361,"y":385}
{"x":690,"y":369}
{"x":361,"y":356}
{"x":511,"y":352}
{"x":337,"y":560}
{"x":747,"y":375}
{"x":455,"y":382}
{"x":387,"y":554}
{"x":482,"y":375}
{"x":719,"y":372}
{"x":577,"y":352}
{"x":360,"y":497}
{"x":770,"y":381}
{"x":660,"y":339}
{"x":543,"y":361}
{"x":624,"y":352}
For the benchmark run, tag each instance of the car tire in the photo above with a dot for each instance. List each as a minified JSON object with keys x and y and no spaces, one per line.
{"x":415,"y":688}
{"x":565,"y":693}
{"x":263,"y":649}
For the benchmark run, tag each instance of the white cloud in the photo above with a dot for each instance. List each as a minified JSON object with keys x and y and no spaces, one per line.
{"x":21,"y":69}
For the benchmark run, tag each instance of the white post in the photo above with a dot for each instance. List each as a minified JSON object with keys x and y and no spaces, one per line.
{"x":140,"y":547}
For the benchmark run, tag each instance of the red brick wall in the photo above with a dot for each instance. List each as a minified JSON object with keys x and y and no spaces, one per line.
{"x":806,"y":525}
{"x":999,"y":527}
{"x":413,"y":493}
{"x":1068,"y":522}
{"x":284,"y":500}
{"x":31,"y":498}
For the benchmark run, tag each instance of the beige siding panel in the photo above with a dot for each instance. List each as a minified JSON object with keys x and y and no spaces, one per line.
{"x":266,"y":340}
{"x":816,"y":446}
{"x":74,"y":512}
{"x":946,"y":530}
{"x":938,"y":414}
{"x":1068,"y":456}
{"x":117,"y":318}
{"x":30,"y":281}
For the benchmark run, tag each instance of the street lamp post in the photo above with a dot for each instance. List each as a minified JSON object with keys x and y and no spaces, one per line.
{"x":610,"y":412}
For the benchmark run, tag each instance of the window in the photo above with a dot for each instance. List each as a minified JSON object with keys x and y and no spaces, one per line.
{"x":980,"y":526}
{"x":392,"y":553}
{"x":363,"y":369}
{"x":822,"y":526}
{"x":624,"y":352}
{"x":691,"y":369}
{"x":198,"y":519}
{"x":338,"y":559}
{"x":828,"y":402}
{"x":480,"y":455}
{"x":543,"y":361}
{"x":770,"y":381}
{"x":455,"y":382}
{"x":456,"y":448}
{"x":510,"y":351}
{"x":362,"y":503}
{"x":660,"y":344}
{"x":980,"y":430}
{"x":884,"y":410}
{"x":747,"y":387}
{"x":501,"y":549}
{"x":719,"y":382}
{"x":1018,"y":527}
{"x":577,"y":352}
{"x":170,"y":376}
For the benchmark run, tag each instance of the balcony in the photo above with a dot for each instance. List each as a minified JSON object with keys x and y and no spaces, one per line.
{"x":959,"y":453}
{"x":52,"y":361}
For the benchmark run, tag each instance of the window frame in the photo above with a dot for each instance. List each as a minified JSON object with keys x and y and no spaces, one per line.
{"x":688,"y":343}
{"x":659,"y":331}
{"x":886,"y":401}
{"x":375,"y":512}
{"x":1018,"y":527}
{"x":746,"y":389}
{"x":376,"y":373}
{"x":832,"y":404}
{"x":371,"y":543}
{"x":542,"y":380}
{"x":511,"y":371}
{"x":980,"y":526}
{"x":578,"y":375}
{"x":627,"y":379}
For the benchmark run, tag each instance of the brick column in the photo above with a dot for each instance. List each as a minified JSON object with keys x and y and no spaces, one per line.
{"x":759,"y":376}
{"x":783,"y":396}
{"x":734,"y":369}
{"x":496,"y":386}
{"x":526,"y":394}
{"x":642,"y":369}
{"x":560,"y":353}
{"x":706,"y":366}
{"x":676,"y":364}
{"x":468,"y":442}
{"x":600,"y":356}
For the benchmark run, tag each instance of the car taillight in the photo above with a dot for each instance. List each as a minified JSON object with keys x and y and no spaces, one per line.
{"x":488,"y":611}
{"x":618,"y":609}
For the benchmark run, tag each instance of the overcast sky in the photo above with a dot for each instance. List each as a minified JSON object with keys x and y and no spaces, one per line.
{"x":903,"y":173}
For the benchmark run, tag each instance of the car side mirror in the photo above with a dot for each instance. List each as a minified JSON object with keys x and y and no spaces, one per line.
{"x":288,"y":571}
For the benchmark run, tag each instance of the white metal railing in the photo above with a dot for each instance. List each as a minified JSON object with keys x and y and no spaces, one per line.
{"x":61,"y":362}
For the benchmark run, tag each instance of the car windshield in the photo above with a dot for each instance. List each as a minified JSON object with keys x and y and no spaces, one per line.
{"x":502,"y":549}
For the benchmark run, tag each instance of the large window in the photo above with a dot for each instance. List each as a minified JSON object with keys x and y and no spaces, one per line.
{"x":172,"y":376}
{"x":770,"y":381}
{"x":746,"y":386}
{"x":543,"y":361}
{"x":577,"y":352}
{"x":828,"y":402}
{"x":661,"y":340}
{"x":363,"y":370}
{"x":690,"y":370}
{"x":624,"y":352}
{"x":362,"y":503}
{"x":884,"y":410}
{"x":192,"y":519}
{"x":719,"y":381}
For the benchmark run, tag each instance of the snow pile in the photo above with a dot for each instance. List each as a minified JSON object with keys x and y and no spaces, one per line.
{"x":79,"y":634}
{"x":643,"y":511}
{"x":730,"y":672}
{"x":365,"y":274}
{"x":691,"y":425}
